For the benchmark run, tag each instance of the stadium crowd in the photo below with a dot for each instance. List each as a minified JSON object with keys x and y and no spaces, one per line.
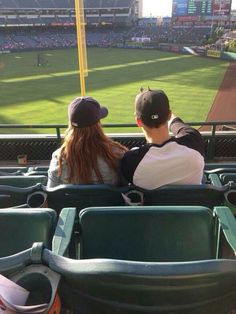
{"x":62,"y":37}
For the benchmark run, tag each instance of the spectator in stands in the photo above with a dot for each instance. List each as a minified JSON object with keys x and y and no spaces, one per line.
{"x":87,"y":155}
{"x":163,"y":159}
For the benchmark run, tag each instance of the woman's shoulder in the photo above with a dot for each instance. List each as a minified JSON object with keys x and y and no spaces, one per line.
{"x":56,"y":153}
{"x":118,"y":149}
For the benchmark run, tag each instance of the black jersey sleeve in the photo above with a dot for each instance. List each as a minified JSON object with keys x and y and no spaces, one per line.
{"x":187,"y":135}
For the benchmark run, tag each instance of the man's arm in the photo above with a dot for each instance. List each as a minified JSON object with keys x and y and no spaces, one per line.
{"x":185,"y":134}
{"x":179,"y":128}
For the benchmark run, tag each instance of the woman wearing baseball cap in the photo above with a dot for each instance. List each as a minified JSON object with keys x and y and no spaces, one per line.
{"x":87,"y":155}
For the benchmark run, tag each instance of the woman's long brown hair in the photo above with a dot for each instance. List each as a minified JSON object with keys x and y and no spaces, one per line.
{"x":81,"y":149}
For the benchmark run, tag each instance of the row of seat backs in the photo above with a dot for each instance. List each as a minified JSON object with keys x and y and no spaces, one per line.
{"x":82,"y":196}
{"x":167,"y":233}
{"x":23,"y":181}
{"x":20,"y":169}
{"x":25,"y":177}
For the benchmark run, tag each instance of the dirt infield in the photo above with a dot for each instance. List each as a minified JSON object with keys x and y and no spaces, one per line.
{"x":224,"y":105}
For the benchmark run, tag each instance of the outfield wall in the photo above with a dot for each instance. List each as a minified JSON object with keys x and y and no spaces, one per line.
{"x":176,"y":48}
{"x":211,"y":53}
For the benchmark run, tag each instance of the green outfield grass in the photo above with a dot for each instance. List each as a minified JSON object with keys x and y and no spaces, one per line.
{"x":40,"y":95}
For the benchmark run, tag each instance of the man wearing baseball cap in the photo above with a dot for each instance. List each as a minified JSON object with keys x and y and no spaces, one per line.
{"x":163,"y":159}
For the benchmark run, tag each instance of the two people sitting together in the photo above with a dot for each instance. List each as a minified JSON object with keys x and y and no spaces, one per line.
{"x":88,"y":156}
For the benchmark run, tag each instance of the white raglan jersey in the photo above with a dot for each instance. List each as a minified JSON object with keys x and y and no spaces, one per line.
{"x":179,"y":160}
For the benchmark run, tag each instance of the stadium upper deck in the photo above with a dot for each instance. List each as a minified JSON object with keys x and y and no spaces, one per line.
{"x":62,"y":12}
{"x":63,"y":4}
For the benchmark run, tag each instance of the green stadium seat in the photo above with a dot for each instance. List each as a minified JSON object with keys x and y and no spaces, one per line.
{"x":227,"y":181}
{"x":115,"y":286}
{"x":195,"y":195}
{"x":37,"y":173}
{"x":215,"y":176}
{"x":38,"y":168}
{"x":227,"y":177}
{"x":11,"y":196}
{"x":163,"y":234}
{"x":13,"y":170}
{"x":82,"y":196}
{"x":20,"y":228}
{"x":23,"y":181}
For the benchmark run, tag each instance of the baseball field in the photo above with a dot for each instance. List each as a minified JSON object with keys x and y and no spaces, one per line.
{"x":31,"y":94}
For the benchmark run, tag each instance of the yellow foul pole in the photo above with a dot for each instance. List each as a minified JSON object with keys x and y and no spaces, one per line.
{"x":81,"y":43}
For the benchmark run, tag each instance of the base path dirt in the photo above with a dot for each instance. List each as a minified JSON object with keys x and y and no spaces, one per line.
{"x":224,"y":105}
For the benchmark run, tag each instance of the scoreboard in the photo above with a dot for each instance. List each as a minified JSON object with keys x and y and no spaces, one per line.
{"x":201,"y":7}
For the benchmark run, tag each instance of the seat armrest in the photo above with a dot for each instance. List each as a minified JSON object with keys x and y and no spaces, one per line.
{"x":227,"y":224}
{"x":63,"y":232}
{"x":14,"y":263}
{"x":214,"y":179}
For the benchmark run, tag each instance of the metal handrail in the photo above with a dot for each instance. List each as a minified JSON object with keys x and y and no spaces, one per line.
{"x":58,"y":127}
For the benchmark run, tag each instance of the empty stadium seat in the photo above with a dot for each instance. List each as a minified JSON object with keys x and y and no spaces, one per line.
{"x":37,"y":173}
{"x":163,"y":234}
{"x":211,"y":174}
{"x":226,"y":181}
{"x":227,"y":177}
{"x":81,"y":196}
{"x":11,"y":196}
{"x":115,"y":286}
{"x":38,"y":168}
{"x":20,"y":228}
{"x":13,"y":170}
{"x":23,"y":181}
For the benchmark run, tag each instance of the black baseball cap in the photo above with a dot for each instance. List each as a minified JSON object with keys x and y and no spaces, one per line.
{"x":85,"y":111}
{"x":152,"y":107}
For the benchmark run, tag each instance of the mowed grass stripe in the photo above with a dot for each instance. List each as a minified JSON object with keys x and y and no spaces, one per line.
{"x":105,"y":68}
{"x":34,"y":95}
